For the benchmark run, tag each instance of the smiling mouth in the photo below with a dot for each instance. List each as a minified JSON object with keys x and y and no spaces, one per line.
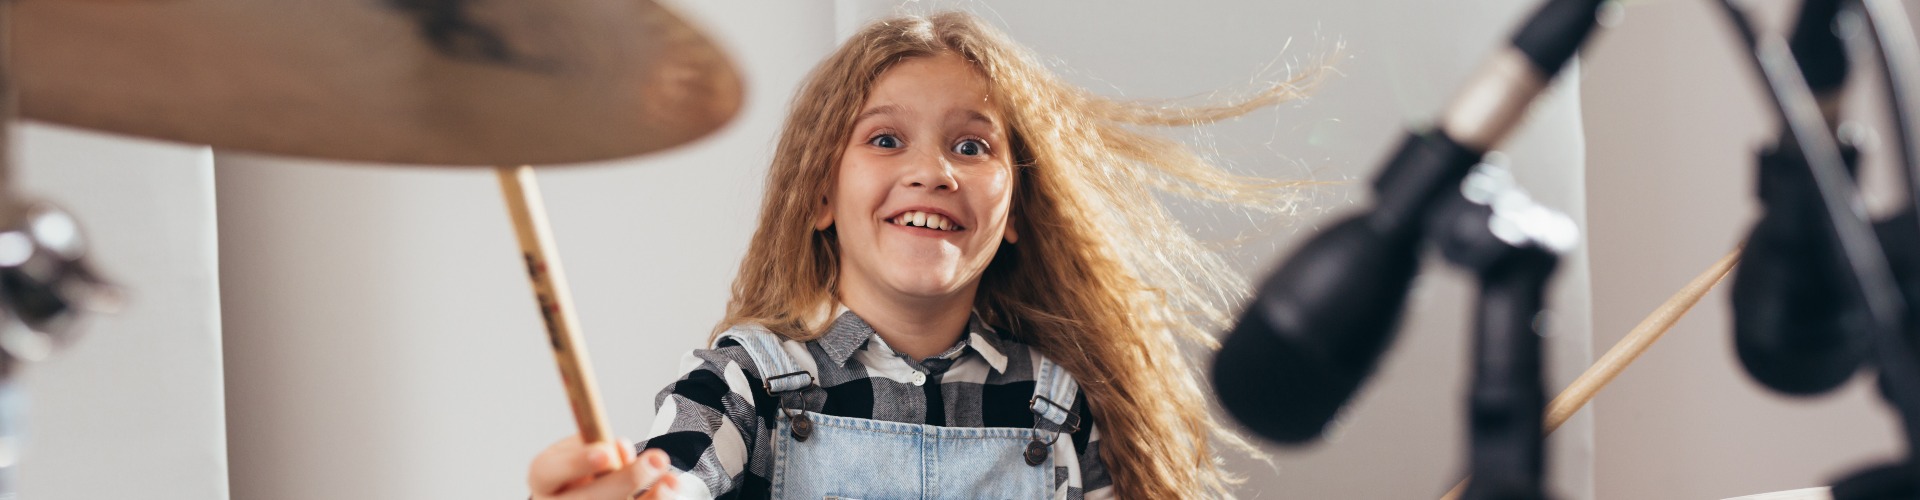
{"x":926,"y":220}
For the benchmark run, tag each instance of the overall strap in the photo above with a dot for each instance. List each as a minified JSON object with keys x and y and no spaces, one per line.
{"x":1052,"y":405}
{"x":778,"y":372}
{"x":1053,"y":394}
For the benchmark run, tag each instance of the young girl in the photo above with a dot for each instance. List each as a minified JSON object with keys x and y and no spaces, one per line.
{"x":962,"y":286}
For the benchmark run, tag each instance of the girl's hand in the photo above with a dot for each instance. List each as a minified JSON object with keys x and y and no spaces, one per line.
{"x":571,"y":470}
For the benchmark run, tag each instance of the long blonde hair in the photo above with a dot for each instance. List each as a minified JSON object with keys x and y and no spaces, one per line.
{"x":1104,"y":280}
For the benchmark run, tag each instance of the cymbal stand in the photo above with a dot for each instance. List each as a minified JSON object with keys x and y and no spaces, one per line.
{"x":11,"y":401}
{"x":45,"y":281}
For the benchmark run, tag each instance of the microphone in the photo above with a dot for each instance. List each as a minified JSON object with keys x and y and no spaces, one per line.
{"x":1799,"y":327}
{"x":1317,"y":326}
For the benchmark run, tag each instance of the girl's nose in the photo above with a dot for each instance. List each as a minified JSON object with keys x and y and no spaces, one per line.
{"x":930,"y":170}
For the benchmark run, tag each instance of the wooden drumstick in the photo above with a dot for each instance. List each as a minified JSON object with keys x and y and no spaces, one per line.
{"x":556,"y":304}
{"x":1643,"y":335}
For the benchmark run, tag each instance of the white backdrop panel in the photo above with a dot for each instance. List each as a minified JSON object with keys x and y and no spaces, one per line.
{"x":135,"y":408}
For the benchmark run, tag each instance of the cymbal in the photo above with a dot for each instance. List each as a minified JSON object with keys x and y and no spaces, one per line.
{"x":449,"y":82}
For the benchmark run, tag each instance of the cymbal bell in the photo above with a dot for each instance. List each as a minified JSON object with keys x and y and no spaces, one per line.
{"x":447,"y":82}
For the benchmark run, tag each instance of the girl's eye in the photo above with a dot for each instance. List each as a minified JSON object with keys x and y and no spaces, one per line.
{"x":887,"y":141}
{"x":970,"y":147}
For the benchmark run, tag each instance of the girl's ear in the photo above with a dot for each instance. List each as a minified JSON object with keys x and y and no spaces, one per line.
{"x":825,"y":219}
{"x":1012,"y":236}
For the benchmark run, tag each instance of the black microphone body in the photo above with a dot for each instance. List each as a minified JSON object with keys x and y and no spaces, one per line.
{"x":1821,"y":53}
{"x":1318,"y":325}
{"x":1799,"y":327}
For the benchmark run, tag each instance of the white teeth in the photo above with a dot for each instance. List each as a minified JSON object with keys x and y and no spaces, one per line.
{"x":926,"y":220}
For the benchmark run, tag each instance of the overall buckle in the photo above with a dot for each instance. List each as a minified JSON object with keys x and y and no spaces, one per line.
{"x":799,"y":425}
{"x":1037,"y":450}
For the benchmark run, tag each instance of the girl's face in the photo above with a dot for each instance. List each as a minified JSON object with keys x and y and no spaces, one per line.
{"x":922,"y":196}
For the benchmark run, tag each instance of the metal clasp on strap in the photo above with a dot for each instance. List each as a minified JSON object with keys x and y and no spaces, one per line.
{"x":781,"y":381}
{"x":800,"y":426}
{"x":1068,"y":423}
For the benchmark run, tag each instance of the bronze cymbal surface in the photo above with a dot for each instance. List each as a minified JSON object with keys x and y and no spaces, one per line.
{"x":442,"y":82}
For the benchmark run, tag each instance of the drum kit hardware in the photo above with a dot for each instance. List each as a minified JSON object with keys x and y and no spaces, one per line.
{"x":1815,"y":240}
{"x":509,"y":84}
{"x":1832,"y":291}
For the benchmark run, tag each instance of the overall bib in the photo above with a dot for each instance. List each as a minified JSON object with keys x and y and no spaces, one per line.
{"x":819,"y":456}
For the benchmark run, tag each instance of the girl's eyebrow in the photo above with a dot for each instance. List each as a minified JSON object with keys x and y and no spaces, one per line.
{"x":884,"y":109}
{"x":976,"y":116}
{"x":890,"y":109}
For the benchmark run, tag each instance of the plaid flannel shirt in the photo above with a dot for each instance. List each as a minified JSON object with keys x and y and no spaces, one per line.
{"x":716,"y":422}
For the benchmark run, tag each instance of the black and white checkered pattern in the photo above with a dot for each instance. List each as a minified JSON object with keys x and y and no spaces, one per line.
{"x":717,"y":422}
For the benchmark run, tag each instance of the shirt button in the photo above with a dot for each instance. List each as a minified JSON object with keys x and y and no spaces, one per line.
{"x":919,"y":378}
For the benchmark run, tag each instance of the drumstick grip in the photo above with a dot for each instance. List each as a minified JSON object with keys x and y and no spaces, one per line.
{"x":542,"y":259}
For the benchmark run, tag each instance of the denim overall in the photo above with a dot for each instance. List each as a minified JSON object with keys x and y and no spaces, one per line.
{"x":818,"y":456}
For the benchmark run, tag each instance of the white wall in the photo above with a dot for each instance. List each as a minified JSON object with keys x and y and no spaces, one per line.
{"x":134,"y":408}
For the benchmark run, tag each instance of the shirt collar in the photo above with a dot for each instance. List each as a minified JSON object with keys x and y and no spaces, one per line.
{"x":850,"y":334}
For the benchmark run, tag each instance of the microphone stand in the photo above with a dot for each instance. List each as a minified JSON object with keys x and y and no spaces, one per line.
{"x":1490,"y":228}
{"x":1862,"y":259}
{"x":1898,"y":362}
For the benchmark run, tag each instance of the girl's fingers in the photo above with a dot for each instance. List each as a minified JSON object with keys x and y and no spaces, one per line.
{"x":624,"y":483}
{"x":626,"y":452}
{"x":667,"y":488}
{"x":570,"y":463}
